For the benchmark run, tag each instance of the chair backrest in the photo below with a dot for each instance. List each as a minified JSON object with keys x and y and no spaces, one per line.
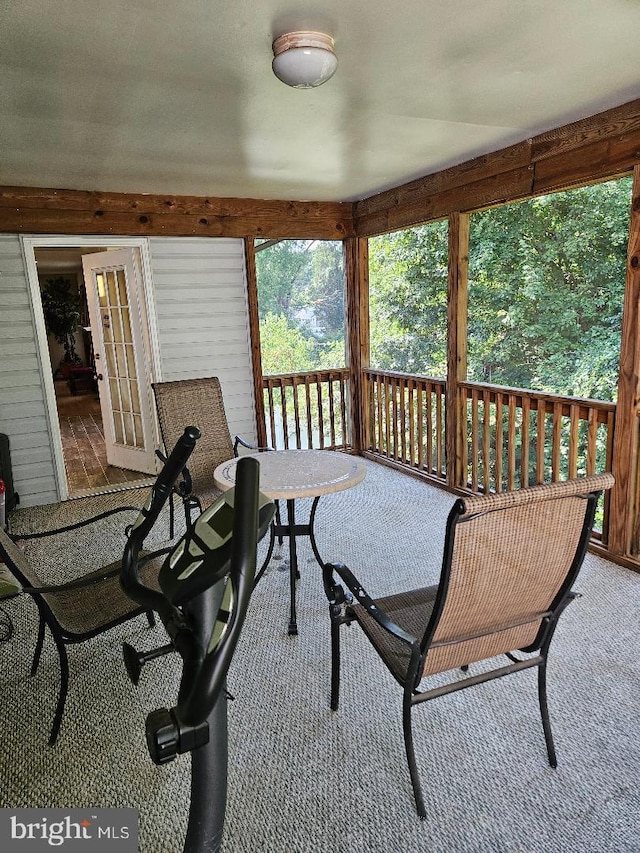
{"x":509,"y":560}
{"x":196,"y":402}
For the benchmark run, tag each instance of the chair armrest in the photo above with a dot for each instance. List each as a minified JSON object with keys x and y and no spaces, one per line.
{"x":365,"y":600}
{"x":76,"y":525}
{"x":238,"y":440}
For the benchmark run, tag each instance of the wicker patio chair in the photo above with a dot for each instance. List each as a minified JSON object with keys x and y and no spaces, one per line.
{"x":198,"y":402}
{"x":509,"y":562}
{"x":79,"y":609}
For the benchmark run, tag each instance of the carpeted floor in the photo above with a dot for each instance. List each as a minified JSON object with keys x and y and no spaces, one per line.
{"x":303,"y":779}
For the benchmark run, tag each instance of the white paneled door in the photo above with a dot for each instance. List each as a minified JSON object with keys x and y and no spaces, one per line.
{"x":118,"y":328}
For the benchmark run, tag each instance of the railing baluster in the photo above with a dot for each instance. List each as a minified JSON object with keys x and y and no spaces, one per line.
{"x":486,"y":441}
{"x":307,"y":392}
{"x":511,"y":444}
{"x":474,"y":439}
{"x":380,"y":397}
{"x":439,"y":434}
{"x":592,"y":442}
{"x":387,"y":419}
{"x":283,"y":411}
{"x":320,"y":414}
{"x":403,"y":419}
{"x":332,"y":410}
{"x":296,"y":412}
{"x":464,"y":437}
{"x":431,"y":462}
{"x":420,"y":403}
{"x":574,"y":436}
{"x":272,"y":415}
{"x":608,"y":466}
{"x":499,"y":438}
{"x":556,"y":442}
{"x":343,"y":411}
{"x":524,"y":446}
{"x":394,"y":418}
{"x":411,"y":385}
{"x":540,"y":440}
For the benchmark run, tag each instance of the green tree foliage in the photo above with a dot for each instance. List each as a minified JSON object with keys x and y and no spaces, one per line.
{"x":284,"y":348}
{"x":408,"y":300}
{"x":301,"y":305}
{"x":282,"y":270}
{"x":546,"y":288}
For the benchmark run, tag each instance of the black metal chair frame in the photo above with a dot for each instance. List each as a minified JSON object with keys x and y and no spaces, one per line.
{"x":341,"y":612}
{"x":62,"y":637}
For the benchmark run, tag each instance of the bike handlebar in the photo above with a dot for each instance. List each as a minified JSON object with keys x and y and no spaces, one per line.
{"x":160,"y":492}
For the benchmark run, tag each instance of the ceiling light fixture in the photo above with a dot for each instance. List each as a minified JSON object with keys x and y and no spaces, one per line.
{"x":304,"y":59}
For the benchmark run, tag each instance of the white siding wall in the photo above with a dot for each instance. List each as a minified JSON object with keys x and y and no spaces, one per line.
{"x":22,"y":408}
{"x":200,"y":295}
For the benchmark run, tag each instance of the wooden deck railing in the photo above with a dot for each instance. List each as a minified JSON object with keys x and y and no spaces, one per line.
{"x":511,"y":437}
{"x":308,"y":410}
{"x":516,"y":438}
{"x":406,"y":419}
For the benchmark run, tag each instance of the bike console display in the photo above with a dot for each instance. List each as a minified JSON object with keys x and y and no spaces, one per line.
{"x":202,"y":556}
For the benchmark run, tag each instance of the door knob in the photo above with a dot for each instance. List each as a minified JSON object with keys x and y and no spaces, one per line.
{"x":99,"y":377}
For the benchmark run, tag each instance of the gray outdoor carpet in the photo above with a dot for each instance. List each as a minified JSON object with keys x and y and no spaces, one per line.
{"x":304,"y":779}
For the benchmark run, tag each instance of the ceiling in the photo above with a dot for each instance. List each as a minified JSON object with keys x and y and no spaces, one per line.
{"x":178,"y":97}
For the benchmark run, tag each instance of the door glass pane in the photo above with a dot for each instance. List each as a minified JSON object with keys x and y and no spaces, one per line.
{"x":126,"y":326}
{"x":113,"y":390}
{"x":131,"y":362}
{"x":117,"y":423}
{"x":102,"y":296}
{"x":117,"y":325}
{"x":135,"y":398}
{"x":112,"y":294}
{"x":137,"y":422}
{"x":111,"y":361}
{"x":120,"y":360}
{"x":125,"y":396}
{"x":128,"y":430}
{"x":122,"y":288}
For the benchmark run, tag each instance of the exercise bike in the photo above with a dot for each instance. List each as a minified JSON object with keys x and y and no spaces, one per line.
{"x":205,"y":584}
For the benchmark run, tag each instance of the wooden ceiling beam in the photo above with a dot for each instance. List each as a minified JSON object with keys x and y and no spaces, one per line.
{"x":36,"y":210}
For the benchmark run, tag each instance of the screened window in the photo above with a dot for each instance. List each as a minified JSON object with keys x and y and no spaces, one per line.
{"x":408,"y":300}
{"x":301,"y":305}
{"x":546,"y":289}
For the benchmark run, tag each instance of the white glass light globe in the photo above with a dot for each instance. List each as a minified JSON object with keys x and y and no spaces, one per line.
{"x":304,"y":60}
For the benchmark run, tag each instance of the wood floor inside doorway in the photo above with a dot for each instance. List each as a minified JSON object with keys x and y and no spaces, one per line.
{"x":85,"y":455}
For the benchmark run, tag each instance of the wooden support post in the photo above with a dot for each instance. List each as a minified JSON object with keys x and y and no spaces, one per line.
{"x":623,"y":506}
{"x":254,"y":332}
{"x":457,"y":299}
{"x":356,"y":264}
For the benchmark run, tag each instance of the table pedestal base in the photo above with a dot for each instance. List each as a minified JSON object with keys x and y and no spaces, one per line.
{"x":292,"y":530}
